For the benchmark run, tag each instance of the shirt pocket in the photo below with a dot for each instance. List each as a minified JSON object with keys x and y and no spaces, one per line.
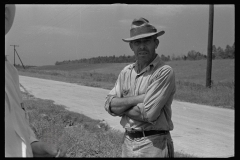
{"x":126,"y":92}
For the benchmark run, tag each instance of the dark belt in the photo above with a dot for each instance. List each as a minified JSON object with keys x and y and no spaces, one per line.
{"x":139,"y":134}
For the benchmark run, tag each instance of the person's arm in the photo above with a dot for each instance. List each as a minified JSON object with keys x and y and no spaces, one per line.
{"x":120,"y":105}
{"x":42,"y":149}
{"x":116,"y":102}
{"x":135,"y":113}
{"x":115,"y":92}
{"x":158,"y":92}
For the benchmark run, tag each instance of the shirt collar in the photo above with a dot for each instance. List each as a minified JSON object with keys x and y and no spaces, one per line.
{"x":152,"y":64}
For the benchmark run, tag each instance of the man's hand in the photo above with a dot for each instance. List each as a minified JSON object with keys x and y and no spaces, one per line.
{"x":141,"y":98}
{"x":120,"y":105}
{"x":134,"y":112}
{"x":42,"y":149}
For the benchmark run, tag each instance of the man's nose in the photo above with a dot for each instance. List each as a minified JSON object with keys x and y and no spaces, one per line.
{"x":142,"y":45}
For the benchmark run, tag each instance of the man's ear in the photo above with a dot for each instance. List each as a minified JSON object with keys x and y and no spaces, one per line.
{"x":130,"y":44}
{"x":156,"y":43}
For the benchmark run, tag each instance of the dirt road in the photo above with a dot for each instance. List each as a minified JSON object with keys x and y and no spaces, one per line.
{"x":199,"y":130}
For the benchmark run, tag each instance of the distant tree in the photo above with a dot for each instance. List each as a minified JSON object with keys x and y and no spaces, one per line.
{"x":219,"y":53}
{"x":169,"y":59}
{"x":233,"y":50}
{"x":194,"y":55}
{"x":173,"y":57}
{"x":164,"y":58}
{"x":178,"y":58}
{"x":229,"y":51}
{"x":191,"y":55}
{"x":214,"y":51}
{"x":184,"y":57}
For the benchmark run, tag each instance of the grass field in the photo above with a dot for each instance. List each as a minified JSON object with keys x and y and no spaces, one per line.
{"x":85,"y":137}
{"x":190,"y":79}
{"x":80,"y":135}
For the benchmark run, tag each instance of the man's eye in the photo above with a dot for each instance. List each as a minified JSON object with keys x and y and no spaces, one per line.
{"x":136,"y":43}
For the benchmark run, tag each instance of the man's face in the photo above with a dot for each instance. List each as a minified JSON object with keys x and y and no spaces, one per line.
{"x":9,"y":16}
{"x":144,"y":49}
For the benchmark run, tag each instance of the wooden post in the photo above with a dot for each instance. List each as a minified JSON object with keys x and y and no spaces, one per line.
{"x":20,"y":59}
{"x":210,"y":42}
{"x":14,"y":52}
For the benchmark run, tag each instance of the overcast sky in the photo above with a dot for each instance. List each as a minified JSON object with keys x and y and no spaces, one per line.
{"x":49,"y":33}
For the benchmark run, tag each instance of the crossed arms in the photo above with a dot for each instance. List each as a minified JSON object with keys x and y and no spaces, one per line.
{"x":145,"y":107}
{"x":128,"y":106}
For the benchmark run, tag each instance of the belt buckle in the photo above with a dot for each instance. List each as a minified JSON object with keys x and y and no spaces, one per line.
{"x":132,"y":131}
{"x":134,"y":134}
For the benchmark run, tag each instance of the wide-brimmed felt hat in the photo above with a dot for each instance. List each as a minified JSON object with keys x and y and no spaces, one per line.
{"x":141,"y":28}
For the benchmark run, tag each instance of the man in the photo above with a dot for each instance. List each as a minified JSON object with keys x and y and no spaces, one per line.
{"x":142,"y":96}
{"x":20,"y":140}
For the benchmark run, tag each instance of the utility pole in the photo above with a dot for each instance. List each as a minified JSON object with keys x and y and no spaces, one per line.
{"x":17,"y":55}
{"x":209,"y":52}
{"x":14,"y":52}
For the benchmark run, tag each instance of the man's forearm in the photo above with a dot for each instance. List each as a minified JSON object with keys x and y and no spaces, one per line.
{"x":134,"y":113}
{"x":120,"y":105}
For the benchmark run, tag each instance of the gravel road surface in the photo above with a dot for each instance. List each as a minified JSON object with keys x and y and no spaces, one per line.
{"x":199,"y":130}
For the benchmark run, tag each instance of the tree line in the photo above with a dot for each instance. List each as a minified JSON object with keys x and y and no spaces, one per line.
{"x":217,"y":53}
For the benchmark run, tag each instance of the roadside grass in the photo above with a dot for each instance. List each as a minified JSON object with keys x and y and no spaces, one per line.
{"x":79,"y":134}
{"x":93,"y":79}
{"x":190,"y":79}
{"x":219,"y":95}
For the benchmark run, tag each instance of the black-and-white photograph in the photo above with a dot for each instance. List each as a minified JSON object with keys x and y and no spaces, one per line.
{"x":120,"y":80}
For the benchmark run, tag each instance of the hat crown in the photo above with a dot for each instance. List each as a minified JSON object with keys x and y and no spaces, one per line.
{"x":139,"y":22}
{"x":141,"y":26}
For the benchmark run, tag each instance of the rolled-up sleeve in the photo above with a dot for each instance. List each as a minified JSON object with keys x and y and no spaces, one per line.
{"x":32,"y":136}
{"x":115,"y":92}
{"x":158,"y":93}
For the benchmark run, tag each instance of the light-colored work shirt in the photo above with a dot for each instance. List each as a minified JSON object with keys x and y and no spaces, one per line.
{"x":18,"y":134}
{"x":157,"y":81}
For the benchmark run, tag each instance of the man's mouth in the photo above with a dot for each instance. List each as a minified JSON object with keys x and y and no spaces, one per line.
{"x":142,"y":53}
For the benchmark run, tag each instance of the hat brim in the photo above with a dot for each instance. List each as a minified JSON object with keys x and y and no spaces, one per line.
{"x":143,"y":36}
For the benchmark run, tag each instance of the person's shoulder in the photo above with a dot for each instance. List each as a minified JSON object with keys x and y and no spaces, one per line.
{"x":128,"y":67}
{"x":167,"y":67}
{"x":126,"y":70}
{"x":163,"y":69}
